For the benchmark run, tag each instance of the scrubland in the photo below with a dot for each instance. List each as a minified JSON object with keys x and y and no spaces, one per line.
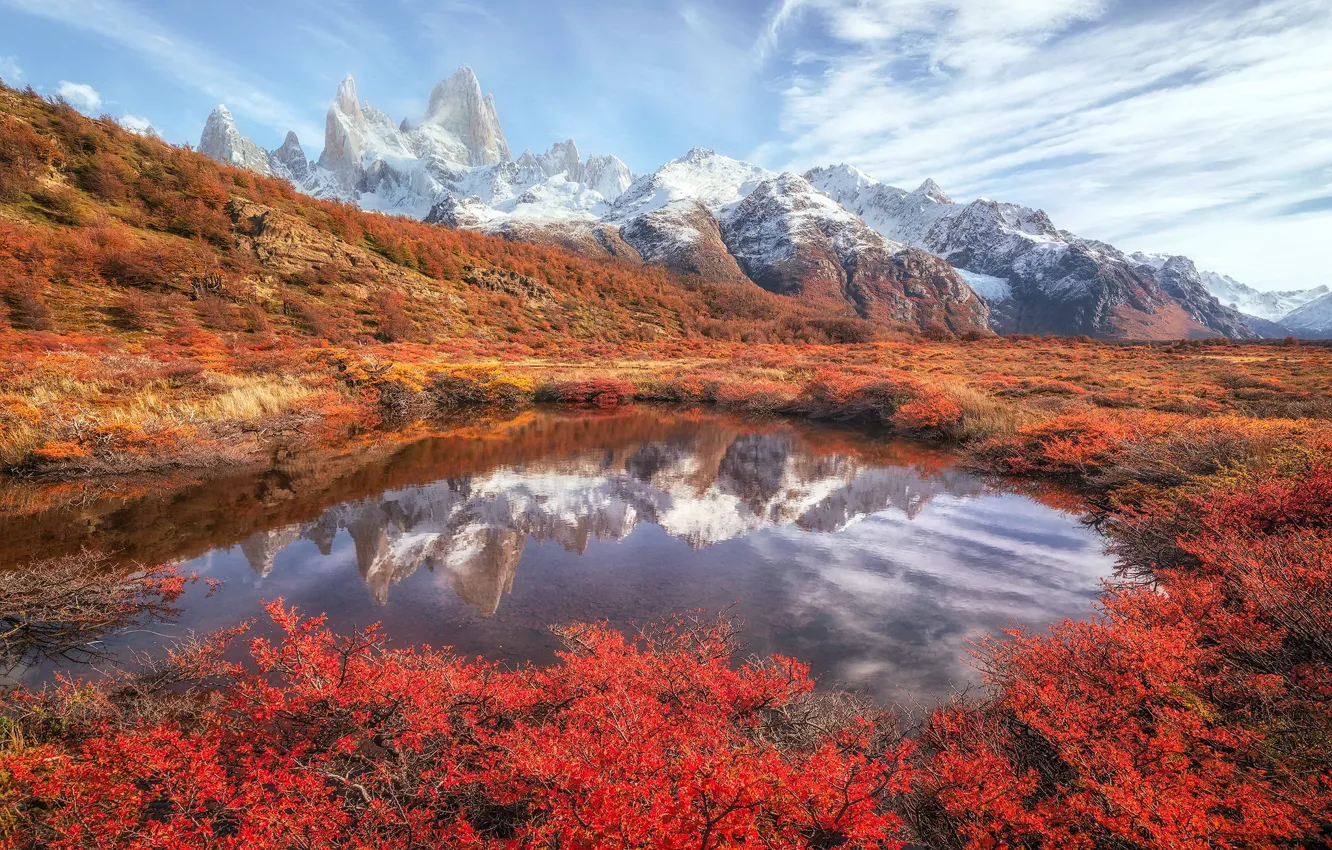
{"x":164,"y":314}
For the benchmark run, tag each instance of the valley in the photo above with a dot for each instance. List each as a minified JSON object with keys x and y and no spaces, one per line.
{"x":948,"y":526}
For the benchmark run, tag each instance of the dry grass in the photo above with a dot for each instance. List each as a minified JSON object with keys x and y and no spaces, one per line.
{"x":984,"y":416}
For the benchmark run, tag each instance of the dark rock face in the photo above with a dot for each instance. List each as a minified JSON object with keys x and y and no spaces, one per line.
{"x":1066,"y":285}
{"x":793,"y":240}
{"x":289,"y":160}
{"x":684,"y":237}
{"x":1059,"y":283}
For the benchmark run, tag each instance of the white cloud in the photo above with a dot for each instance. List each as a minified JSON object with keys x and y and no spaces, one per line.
{"x":10,"y":71}
{"x":81,"y":96}
{"x":137,"y":124}
{"x":1126,"y":126}
{"x":189,"y":62}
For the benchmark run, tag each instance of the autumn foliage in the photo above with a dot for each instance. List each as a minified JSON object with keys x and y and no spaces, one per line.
{"x":146,"y":325}
{"x":329,"y":742}
{"x":1194,"y":712}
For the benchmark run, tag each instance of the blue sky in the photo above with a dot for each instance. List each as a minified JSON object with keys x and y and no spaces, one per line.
{"x":1201,"y":127}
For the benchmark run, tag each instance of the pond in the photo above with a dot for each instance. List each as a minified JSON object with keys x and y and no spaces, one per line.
{"x":874,"y":561}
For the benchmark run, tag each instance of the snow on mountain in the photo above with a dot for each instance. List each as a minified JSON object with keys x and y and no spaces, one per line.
{"x":993,"y":289}
{"x":791,"y":238}
{"x":1313,"y":319}
{"x":828,"y":232}
{"x":608,"y":175}
{"x":1272,"y":306}
{"x":782,"y":211}
{"x":223,"y":142}
{"x":456,"y":155}
{"x":715,"y":181}
{"x":459,"y":110}
{"x":1053,"y":281}
{"x":900,"y":215}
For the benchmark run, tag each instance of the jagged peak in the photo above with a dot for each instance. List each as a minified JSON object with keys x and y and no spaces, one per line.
{"x":463,"y":84}
{"x":291,"y":139}
{"x":698,"y":155}
{"x":221,"y":111}
{"x":840,"y":170}
{"x":458,"y":106}
{"x":933,"y":191}
{"x":345,"y":100}
{"x":466,"y":75}
{"x":566,"y":145}
{"x":843,"y":182}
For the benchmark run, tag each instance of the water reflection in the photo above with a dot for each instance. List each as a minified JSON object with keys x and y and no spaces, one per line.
{"x":873,"y":561}
{"x":474,"y":529}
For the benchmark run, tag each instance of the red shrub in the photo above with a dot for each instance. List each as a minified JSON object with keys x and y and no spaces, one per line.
{"x":1197,"y":716}
{"x":339,"y":742}
{"x":593,"y":392}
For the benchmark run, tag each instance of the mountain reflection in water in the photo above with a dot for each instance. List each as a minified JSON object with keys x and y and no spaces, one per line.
{"x":873,"y":561}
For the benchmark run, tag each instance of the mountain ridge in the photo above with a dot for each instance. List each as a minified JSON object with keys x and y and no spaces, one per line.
{"x":454,"y":168}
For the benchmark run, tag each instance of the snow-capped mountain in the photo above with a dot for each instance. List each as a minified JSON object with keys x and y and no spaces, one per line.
{"x":456,"y":152}
{"x":1272,"y":306}
{"x":224,"y":143}
{"x":835,"y":235}
{"x":1312,"y":320}
{"x":790,"y":238}
{"x":1038,"y":278}
{"x":473,"y":530}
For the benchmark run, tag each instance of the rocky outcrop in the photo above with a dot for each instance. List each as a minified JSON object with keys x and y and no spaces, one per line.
{"x":221,"y":141}
{"x":1051,"y":281}
{"x":458,"y":108}
{"x":792,"y":239}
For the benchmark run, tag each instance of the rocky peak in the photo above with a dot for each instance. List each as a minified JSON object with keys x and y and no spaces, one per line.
{"x":345,"y":101}
{"x":223,"y":142}
{"x":289,"y":160}
{"x":562,"y":158}
{"x":458,"y":107}
{"x":930,"y":189}
{"x":607,"y":175}
{"x":791,"y":238}
{"x":840,"y":181}
{"x":697,"y":155}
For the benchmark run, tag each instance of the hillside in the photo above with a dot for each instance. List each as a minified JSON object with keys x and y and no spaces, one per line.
{"x":105,"y":232}
{"x":845,"y":248}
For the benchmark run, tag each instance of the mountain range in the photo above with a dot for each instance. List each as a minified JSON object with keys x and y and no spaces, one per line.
{"x":834,"y":236}
{"x":704,"y":491}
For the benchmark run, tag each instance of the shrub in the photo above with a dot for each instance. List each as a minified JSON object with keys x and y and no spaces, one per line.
{"x":589,"y":392}
{"x":27,"y":308}
{"x":137,"y":310}
{"x":480,"y":387}
{"x":336,"y":742}
{"x":394,"y":325}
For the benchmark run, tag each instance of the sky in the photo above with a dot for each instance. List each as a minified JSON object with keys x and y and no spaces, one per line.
{"x":1197,"y":127}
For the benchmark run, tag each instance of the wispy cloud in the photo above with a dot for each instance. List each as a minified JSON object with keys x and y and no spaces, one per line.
{"x":1126,"y":124}
{"x":10,"y":71}
{"x":81,"y":96}
{"x":190,"y":63}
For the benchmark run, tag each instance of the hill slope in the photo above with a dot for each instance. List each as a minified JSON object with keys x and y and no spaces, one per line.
{"x":106,"y":232}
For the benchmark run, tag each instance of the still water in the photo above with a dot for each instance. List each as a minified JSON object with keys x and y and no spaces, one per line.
{"x":874,"y":561}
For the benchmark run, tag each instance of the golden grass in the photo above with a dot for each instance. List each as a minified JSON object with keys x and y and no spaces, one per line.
{"x":984,"y":416}
{"x":72,"y":408}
